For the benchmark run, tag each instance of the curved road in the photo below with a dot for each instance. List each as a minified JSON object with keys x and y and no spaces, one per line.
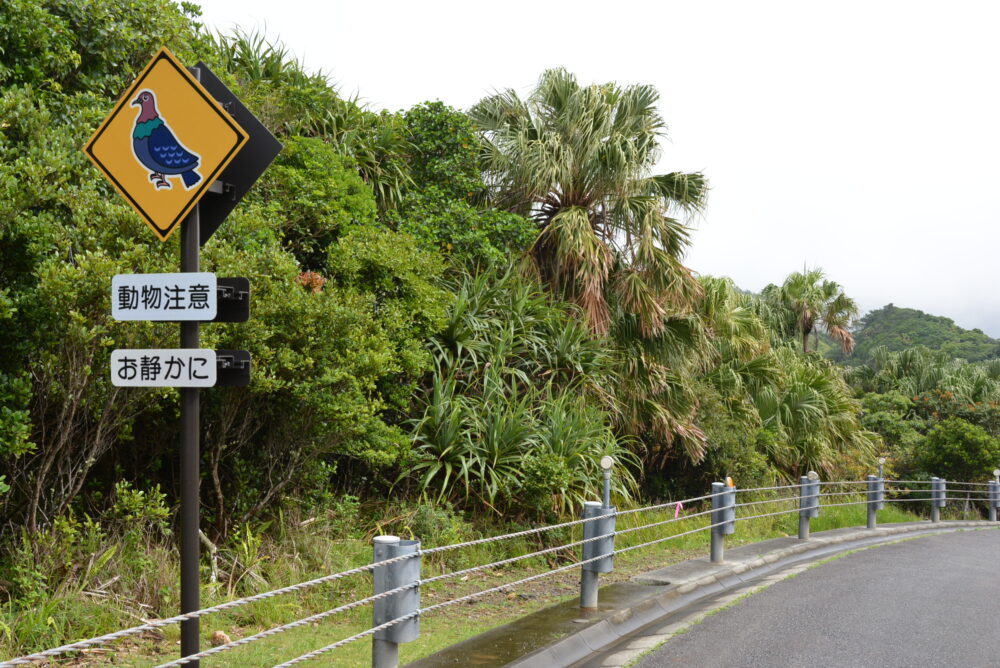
{"x":931,"y":601}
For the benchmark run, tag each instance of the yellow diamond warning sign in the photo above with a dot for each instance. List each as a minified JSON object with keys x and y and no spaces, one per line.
{"x":165,"y":143}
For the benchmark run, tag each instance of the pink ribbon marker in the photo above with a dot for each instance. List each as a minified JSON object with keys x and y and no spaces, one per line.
{"x":677,"y":509}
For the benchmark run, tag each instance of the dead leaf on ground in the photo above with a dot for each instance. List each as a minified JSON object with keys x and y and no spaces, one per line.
{"x":219,"y":638}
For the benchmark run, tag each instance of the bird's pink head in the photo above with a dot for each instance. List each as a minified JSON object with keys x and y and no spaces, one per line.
{"x":147,"y":104}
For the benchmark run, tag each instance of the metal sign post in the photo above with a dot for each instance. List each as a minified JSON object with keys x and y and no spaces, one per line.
{"x":190,"y":478}
{"x":164,"y":147}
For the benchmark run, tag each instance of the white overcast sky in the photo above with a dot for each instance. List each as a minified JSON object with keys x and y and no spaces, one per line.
{"x":859,"y":137}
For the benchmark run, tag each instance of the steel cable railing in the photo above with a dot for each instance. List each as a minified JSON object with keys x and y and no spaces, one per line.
{"x":160,"y":623}
{"x":950,"y":482}
{"x":372,"y":599}
{"x":662,"y":506}
{"x":863,"y":499}
{"x":746,"y":490}
{"x":229,"y":605}
{"x":509,"y":585}
{"x":480,"y":594}
{"x":289,"y":626}
{"x":447,"y":576}
{"x":829,"y":483}
{"x":340,"y":643}
{"x":574,"y":565}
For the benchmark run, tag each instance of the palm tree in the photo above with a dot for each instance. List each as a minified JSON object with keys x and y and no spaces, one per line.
{"x":813,"y":417}
{"x":807,"y":299}
{"x":743,"y":363}
{"x":578,"y":160}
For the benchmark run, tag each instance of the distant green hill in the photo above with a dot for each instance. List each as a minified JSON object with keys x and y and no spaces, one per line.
{"x":900,"y":328}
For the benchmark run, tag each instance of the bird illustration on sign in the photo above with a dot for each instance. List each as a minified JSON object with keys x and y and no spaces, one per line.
{"x":157,"y":148}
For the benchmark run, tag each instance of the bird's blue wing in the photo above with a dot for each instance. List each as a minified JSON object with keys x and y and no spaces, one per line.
{"x":168,"y":152}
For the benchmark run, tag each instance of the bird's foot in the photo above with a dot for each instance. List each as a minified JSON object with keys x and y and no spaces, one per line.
{"x":162,"y":183}
{"x":153,"y":176}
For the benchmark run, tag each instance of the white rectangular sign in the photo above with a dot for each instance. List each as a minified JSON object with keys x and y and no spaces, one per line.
{"x":164,"y":297}
{"x":180,"y":367}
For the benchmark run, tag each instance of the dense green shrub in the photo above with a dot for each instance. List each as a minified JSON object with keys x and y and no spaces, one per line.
{"x":314,"y":196}
{"x":893,"y":416}
{"x":731,"y":452}
{"x":90,"y":48}
{"x":443,"y":209}
{"x":957,"y":450}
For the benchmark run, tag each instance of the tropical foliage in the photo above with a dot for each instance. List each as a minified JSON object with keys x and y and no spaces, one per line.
{"x":918,"y":398}
{"x":577,"y":160}
{"x":443,"y":210}
{"x":514,"y":415}
{"x":957,"y":450}
{"x":807,"y":300}
{"x":463,"y":310}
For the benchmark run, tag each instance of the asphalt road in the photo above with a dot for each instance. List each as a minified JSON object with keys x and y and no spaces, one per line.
{"x":932,"y":601}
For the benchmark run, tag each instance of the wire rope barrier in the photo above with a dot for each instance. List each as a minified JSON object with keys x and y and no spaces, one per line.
{"x":372,"y":599}
{"x":229,"y":605}
{"x":510,"y":585}
{"x":806,"y":493}
{"x":829,"y":483}
{"x":769,"y":489}
{"x":447,"y":576}
{"x":480,"y":594}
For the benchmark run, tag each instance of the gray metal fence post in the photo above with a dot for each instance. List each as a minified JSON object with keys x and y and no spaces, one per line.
{"x":943,"y":493}
{"x":803,"y":508}
{"x":385,"y":643}
{"x":808,"y":502}
{"x":994,"y":499}
{"x":994,"y":495}
{"x":935,"y":512}
{"x":876,"y":498}
{"x":723,"y":518}
{"x":605,"y":547}
{"x":938,"y":491}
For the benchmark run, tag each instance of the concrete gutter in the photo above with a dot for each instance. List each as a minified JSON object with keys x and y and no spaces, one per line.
{"x":562,"y":635}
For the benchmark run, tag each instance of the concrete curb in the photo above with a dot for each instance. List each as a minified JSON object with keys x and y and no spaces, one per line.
{"x":562,"y":634}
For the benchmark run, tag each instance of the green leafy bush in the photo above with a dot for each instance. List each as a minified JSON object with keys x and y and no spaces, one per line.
{"x":892,"y":415}
{"x":957,"y":450}
{"x":315,"y":197}
{"x":442,"y":210}
{"x":91,"y":47}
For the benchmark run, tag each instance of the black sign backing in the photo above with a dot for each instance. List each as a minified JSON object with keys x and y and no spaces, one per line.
{"x":234,"y":300}
{"x":233,"y":368}
{"x":245,"y":168}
